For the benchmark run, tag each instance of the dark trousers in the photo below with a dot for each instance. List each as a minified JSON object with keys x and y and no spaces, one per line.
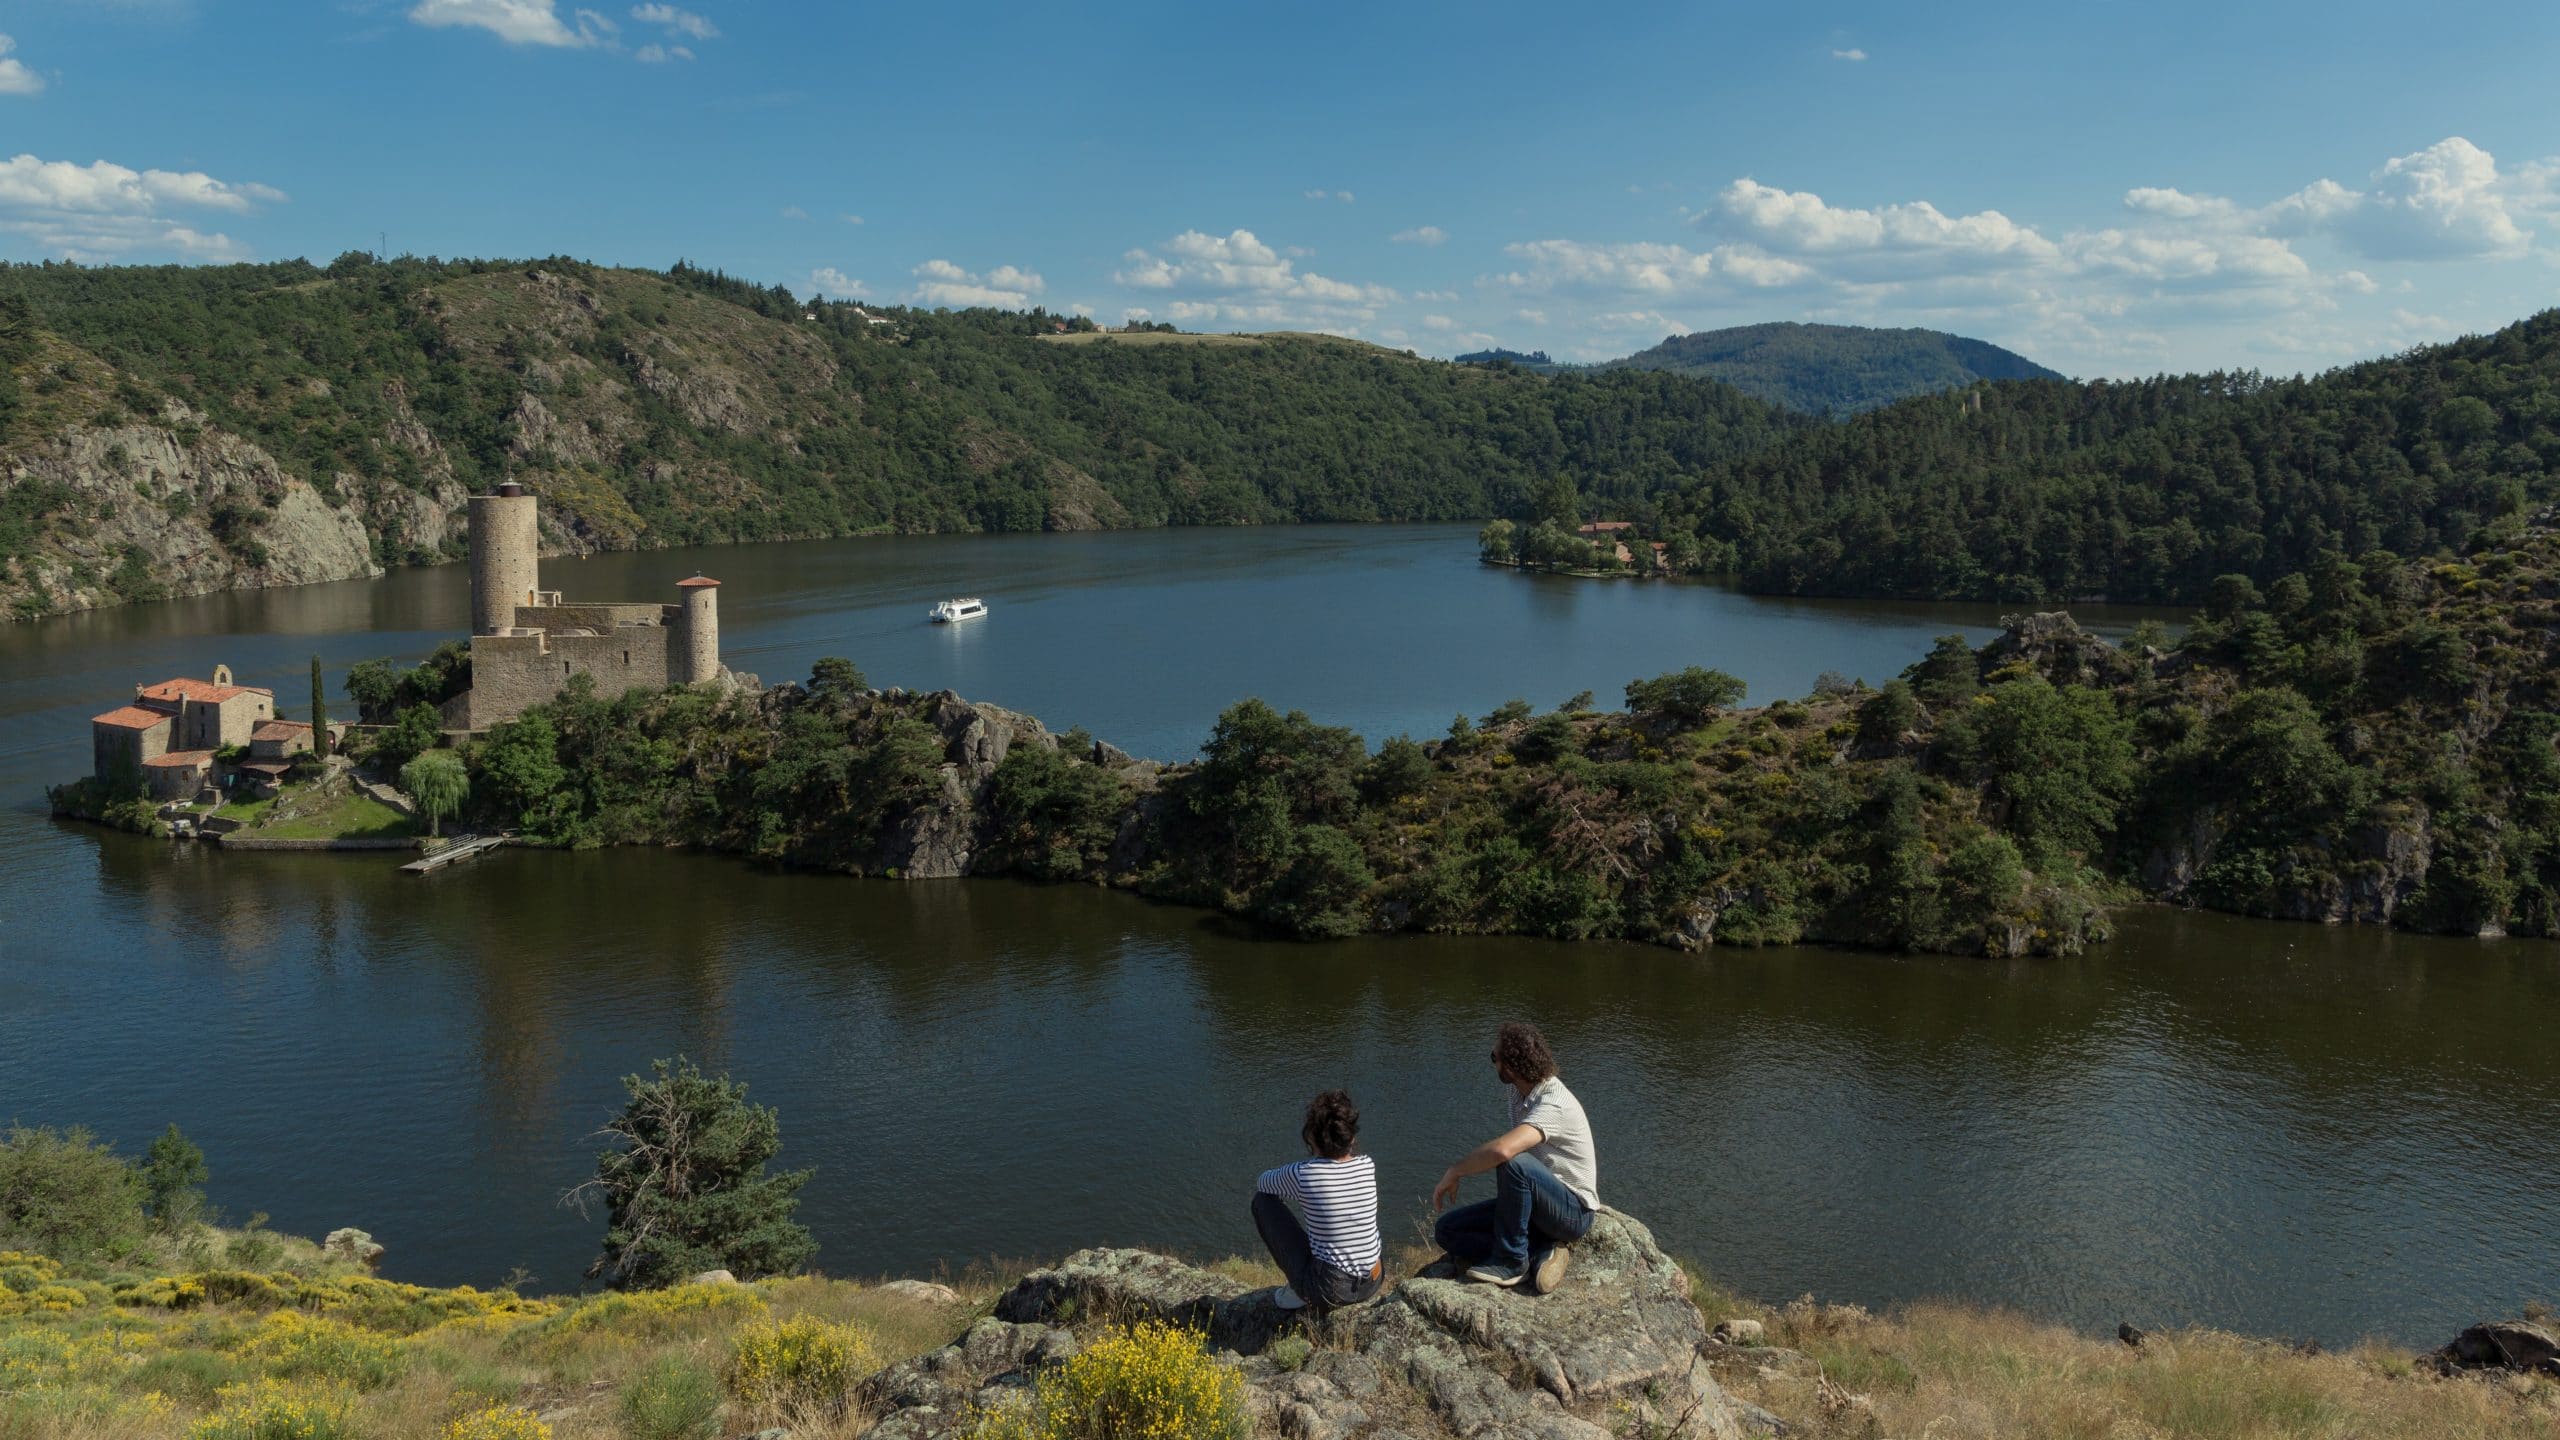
{"x":1316,"y":1282}
{"x":1531,"y":1211}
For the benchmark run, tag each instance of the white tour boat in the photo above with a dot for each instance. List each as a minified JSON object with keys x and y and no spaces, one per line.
{"x":966,"y":608}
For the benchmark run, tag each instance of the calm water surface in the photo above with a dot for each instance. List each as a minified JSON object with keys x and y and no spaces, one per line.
{"x":2282,"y":1129}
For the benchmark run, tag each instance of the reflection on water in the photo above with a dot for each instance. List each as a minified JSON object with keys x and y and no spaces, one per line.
{"x":2280,"y":1128}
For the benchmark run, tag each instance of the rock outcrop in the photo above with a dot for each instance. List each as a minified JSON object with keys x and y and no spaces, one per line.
{"x":1616,"y":1348}
{"x":2520,"y":1346}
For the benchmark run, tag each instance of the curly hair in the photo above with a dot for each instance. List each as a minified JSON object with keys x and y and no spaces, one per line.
{"x":1522,"y":1052}
{"x":1333,"y":1124}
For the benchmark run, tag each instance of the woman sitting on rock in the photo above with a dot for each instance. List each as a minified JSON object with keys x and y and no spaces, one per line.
{"x":1335,"y":1257}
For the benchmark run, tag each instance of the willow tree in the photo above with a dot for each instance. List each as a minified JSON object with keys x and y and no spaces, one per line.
{"x":437,"y":781}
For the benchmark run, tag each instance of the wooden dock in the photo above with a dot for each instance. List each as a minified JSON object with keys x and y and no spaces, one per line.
{"x":455,"y":853}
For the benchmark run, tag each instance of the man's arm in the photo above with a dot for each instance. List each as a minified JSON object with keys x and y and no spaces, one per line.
{"x":1485,"y":1157}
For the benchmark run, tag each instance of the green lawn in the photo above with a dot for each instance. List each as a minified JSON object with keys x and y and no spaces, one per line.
{"x":245,"y":810}
{"x":353,"y":817}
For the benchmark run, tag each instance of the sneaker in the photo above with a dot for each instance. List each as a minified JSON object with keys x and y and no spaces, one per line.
{"x":1548,"y":1273}
{"x":1494,"y":1272}
{"x":1286,"y":1298}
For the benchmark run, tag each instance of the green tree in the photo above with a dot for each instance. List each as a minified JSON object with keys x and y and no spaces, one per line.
{"x":1495,"y":542}
{"x":520,"y":771}
{"x":438,"y":782}
{"x":2062,"y":761}
{"x":1889,"y":714}
{"x":1949,"y":674}
{"x":66,"y":1195}
{"x":836,"y":678}
{"x":1400,"y":768}
{"x":418,"y":730}
{"x":685,"y":1185}
{"x":1686,"y":697}
{"x":319,"y":712}
{"x":1321,"y":894}
{"x":173,"y":1176}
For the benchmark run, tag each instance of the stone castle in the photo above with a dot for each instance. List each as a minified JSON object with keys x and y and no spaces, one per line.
{"x":526,"y":642}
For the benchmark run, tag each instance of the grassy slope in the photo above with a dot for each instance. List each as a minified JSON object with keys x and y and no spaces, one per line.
{"x":404,"y":1362}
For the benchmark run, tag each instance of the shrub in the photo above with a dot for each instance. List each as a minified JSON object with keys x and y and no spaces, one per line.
{"x":173,"y":1176}
{"x":673,"y":1399}
{"x":64,"y":1194}
{"x":291,"y":1345}
{"x":1685,"y":697}
{"x":803,"y":1363}
{"x":498,"y":1422}
{"x":658,"y":1314}
{"x":1150,"y":1382}
{"x":280,"y":1410}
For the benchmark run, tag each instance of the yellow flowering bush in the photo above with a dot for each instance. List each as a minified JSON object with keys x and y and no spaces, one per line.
{"x":164,"y":1292}
{"x":271,"y":1409}
{"x":498,"y":1422}
{"x":654,"y":1314}
{"x":290,"y":1344}
{"x":1148,"y":1382}
{"x":803,"y":1362}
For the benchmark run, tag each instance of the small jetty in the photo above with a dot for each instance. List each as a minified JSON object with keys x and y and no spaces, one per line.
{"x":456,"y":853}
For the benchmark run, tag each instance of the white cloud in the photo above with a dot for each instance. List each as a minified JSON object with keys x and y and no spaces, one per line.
{"x":1342,"y":195}
{"x":853,"y":219}
{"x":2445,"y":201}
{"x":1897,"y":236}
{"x":15,"y":77}
{"x":1240,"y":280}
{"x":1853,"y":55}
{"x":939,"y":282}
{"x":679,"y":22}
{"x":828,"y":280}
{"x":1420,"y":235}
{"x":655,"y":54}
{"x":103,"y":211}
{"x":794,"y":212}
{"x":518,"y":22}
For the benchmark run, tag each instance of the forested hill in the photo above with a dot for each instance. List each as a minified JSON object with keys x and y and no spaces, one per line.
{"x":2143,"y":491}
{"x":176,"y":430}
{"x":1834,"y":369}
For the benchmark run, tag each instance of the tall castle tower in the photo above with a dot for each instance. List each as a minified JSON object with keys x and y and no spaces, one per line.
{"x":699,"y":658}
{"x":506,"y":557}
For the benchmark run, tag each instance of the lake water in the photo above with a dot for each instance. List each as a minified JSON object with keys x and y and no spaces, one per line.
{"x":2281,"y":1129}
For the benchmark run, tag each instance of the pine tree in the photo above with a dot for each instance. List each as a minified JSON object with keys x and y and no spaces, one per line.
{"x":173,"y":1176}
{"x":686,"y":1188}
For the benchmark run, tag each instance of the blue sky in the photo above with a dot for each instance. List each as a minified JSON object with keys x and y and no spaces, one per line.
{"x":2113,"y":190}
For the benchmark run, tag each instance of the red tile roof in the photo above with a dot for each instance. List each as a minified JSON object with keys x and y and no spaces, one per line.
{"x":1606,"y":527}
{"x":203,"y":690}
{"x":279,"y":730}
{"x":266,"y":767}
{"x":698,"y":582}
{"x":130,"y":717}
{"x":179,"y":759}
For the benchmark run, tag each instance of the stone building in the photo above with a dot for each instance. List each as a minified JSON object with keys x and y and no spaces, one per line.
{"x":167,"y":736}
{"x":526,"y":642}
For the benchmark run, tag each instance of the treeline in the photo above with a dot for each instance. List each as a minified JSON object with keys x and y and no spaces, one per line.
{"x":2368,"y":742}
{"x":2144,"y":491}
{"x":650,"y":409}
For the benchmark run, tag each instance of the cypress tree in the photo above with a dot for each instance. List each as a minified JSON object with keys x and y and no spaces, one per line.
{"x":319,"y":713}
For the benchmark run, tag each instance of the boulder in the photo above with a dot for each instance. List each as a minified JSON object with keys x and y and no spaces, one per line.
{"x":1741,"y":1332}
{"x":2054,"y":646}
{"x":1618,"y":1342}
{"x":2516,"y":1345}
{"x":351,"y":1244}
{"x":713,"y":1277}
{"x":924,"y":1291}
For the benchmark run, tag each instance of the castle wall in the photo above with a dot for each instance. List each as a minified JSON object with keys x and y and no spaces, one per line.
{"x":512,"y":673}
{"x":586,"y":616}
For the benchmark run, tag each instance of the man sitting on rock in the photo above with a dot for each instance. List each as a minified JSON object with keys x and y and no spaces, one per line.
{"x":1336,"y":1257}
{"x":1546,"y":1182}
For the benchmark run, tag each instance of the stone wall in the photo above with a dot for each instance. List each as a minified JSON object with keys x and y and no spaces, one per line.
{"x":512,"y":673}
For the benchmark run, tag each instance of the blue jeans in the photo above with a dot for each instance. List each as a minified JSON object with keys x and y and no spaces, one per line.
{"x":1531,"y":1212}
{"x":1316,"y":1282}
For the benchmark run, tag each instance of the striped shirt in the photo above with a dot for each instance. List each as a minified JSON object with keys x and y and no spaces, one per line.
{"x":1340,"y":1201}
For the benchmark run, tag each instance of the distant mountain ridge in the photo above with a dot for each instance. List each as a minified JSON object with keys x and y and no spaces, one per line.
{"x":1843,"y":369}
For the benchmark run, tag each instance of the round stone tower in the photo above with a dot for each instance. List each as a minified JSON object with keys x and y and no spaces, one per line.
{"x":506,"y":557}
{"x":698,"y":657}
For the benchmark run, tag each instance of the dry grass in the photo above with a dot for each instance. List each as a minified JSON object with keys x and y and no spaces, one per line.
{"x":1952,"y":1372}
